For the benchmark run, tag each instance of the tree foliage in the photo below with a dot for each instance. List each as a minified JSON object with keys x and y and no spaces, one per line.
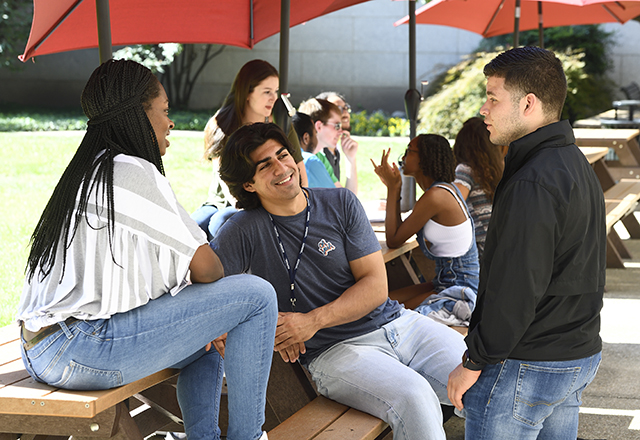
{"x":177,"y":65}
{"x":15,"y":24}
{"x":459,"y":94}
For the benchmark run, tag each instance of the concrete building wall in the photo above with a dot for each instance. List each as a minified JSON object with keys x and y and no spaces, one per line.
{"x":356,"y":51}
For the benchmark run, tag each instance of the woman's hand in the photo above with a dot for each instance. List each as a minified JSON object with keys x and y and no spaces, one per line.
{"x":389,"y":174}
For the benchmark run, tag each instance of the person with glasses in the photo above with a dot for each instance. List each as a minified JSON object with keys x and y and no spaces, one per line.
{"x":327,"y":119}
{"x":333,"y":155}
{"x":444,"y":227}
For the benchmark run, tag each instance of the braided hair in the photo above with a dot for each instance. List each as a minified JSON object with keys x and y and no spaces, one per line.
{"x":436,"y":157}
{"x":114,"y":99}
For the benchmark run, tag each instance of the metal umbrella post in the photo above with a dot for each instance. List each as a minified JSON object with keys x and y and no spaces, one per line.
{"x":104,"y":30}
{"x":412,"y":105}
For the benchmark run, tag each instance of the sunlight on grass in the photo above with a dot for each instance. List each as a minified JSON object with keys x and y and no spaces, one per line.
{"x":32,"y":163}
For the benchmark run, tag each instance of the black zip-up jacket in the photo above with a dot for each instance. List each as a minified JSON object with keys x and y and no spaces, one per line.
{"x":543,"y":271}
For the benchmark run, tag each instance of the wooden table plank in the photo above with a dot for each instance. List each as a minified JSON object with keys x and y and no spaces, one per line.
{"x":624,"y":142}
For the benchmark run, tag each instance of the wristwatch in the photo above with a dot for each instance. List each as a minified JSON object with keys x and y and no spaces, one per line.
{"x":469,"y":364}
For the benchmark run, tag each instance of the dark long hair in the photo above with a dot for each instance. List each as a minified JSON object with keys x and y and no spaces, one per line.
{"x":436,"y":158}
{"x":114,"y":99}
{"x":229,"y":118}
{"x":473,"y":148}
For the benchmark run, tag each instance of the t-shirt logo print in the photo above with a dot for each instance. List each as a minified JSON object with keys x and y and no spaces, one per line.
{"x":325,"y":247}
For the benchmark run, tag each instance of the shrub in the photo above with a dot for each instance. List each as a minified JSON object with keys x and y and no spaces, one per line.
{"x":25,"y":119}
{"x":378,"y":124}
{"x":462,"y":93}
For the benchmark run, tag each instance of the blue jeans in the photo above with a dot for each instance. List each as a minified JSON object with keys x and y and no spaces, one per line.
{"x":528,"y":400}
{"x":210,"y":218}
{"x":397,"y":373}
{"x":172,"y":331}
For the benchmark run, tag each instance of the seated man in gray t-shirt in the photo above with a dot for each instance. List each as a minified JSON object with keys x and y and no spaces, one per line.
{"x":317,"y":248}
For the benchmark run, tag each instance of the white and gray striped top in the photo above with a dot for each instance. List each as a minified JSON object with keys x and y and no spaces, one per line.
{"x":153,"y":243}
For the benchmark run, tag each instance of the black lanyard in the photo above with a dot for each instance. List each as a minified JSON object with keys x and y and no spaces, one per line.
{"x":292,"y":271}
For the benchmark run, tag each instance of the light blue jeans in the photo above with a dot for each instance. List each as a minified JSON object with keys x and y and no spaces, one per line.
{"x":172,"y":331}
{"x":528,"y":400}
{"x":210,"y":218}
{"x":397,"y":373}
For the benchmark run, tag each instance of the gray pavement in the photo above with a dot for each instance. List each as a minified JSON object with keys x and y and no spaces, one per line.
{"x":611,"y":404}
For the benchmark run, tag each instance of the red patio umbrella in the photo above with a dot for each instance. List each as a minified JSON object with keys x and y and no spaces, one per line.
{"x":498,"y":17}
{"x":64,"y":25}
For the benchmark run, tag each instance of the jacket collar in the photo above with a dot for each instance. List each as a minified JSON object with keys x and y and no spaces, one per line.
{"x":555,"y":135}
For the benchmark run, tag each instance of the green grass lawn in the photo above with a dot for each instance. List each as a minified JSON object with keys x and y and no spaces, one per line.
{"x":31,"y":164}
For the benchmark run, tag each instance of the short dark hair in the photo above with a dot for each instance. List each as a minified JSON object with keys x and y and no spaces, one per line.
{"x":534,"y":70}
{"x":436,"y":158}
{"x":302,"y":124}
{"x":236,"y":166}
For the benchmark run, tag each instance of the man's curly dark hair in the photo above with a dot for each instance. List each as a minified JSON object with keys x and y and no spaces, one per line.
{"x":236,"y":166}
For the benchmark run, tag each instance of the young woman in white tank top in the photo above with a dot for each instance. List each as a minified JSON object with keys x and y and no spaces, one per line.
{"x":440,"y":218}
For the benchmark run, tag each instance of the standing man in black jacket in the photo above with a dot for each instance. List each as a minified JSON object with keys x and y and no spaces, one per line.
{"x":534,"y":343}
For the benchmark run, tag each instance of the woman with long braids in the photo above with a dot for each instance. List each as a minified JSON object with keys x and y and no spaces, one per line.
{"x":444,"y":227}
{"x":479,"y":169}
{"x":252,"y":97}
{"x":121,"y":282}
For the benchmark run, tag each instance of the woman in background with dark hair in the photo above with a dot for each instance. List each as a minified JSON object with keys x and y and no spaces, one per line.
{"x":121,"y":282}
{"x":251,"y":99}
{"x":479,"y":169}
{"x":444,"y":227}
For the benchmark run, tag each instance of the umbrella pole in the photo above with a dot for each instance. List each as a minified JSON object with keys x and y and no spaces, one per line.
{"x":412,"y":105}
{"x":540,"y":27}
{"x":280,"y":114}
{"x":104,"y":30}
{"x":285,"y":18}
{"x":516,"y":26}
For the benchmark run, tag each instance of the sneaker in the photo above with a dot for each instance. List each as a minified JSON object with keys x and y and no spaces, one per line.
{"x":264,"y":436}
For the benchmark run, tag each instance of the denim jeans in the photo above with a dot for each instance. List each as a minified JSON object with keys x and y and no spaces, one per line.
{"x":172,"y":331}
{"x":397,"y":373}
{"x":210,"y":218}
{"x":456,"y":278}
{"x":528,"y":400}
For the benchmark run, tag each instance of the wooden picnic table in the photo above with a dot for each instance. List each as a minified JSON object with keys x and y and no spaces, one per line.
{"x":624,"y":141}
{"x":400,"y":272}
{"x":596,"y":157}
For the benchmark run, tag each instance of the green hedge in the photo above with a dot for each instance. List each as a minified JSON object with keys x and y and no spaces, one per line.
{"x":378,"y":124}
{"x":25,"y":119}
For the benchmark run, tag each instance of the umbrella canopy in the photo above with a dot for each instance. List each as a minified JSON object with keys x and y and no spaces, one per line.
{"x":64,"y":25}
{"x":497,"y":17}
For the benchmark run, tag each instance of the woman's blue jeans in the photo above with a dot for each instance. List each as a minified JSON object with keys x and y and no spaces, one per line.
{"x":210,"y":218}
{"x":172,"y":331}
{"x":528,"y":400}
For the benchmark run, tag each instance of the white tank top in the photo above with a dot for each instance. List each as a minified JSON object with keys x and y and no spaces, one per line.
{"x":449,"y":241}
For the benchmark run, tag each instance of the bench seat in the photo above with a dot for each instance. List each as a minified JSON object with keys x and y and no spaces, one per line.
{"x":324,"y":419}
{"x":31,"y":407}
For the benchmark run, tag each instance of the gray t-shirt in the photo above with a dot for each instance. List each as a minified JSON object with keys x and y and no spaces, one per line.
{"x":339,"y":232}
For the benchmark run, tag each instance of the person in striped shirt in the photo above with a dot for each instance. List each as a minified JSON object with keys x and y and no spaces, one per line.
{"x":121,"y":282}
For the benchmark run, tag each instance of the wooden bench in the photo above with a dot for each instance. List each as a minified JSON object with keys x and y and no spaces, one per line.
{"x":29,"y":409}
{"x":620,"y":203}
{"x":34,"y":411}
